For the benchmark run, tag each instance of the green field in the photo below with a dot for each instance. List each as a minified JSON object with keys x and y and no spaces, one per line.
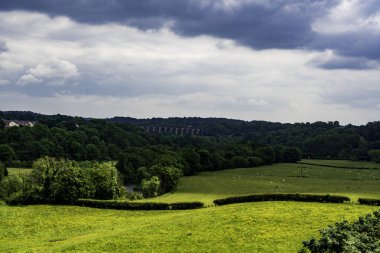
{"x":277,"y":178}
{"x":251,"y":227}
{"x":19,"y":171}
{"x":248,"y":227}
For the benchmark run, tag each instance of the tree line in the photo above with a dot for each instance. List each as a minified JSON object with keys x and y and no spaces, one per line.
{"x":152,"y":162}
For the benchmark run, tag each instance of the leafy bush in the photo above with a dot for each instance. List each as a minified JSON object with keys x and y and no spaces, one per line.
{"x":362,"y":235}
{"x":10,"y":185}
{"x":371,"y":202}
{"x":123,"y":205}
{"x":150,"y":187}
{"x":104,"y":180}
{"x":62,"y":181}
{"x":282,"y":197}
{"x":134,"y":195}
{"x":169,"y":177}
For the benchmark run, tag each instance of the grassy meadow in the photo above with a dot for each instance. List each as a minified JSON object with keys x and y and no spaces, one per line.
{"x":19,"y":171}
{"x":277,"y":178}
{"x":250,"y":227}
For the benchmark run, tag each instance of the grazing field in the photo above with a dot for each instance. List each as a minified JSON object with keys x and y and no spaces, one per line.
{"x":250,"y":227}
{"x":19,"y":171}
{"x":277,"y":178}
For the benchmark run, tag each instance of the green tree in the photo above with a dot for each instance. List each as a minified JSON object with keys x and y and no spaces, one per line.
{"x":255,"y":161}
{"x":267,"y":154}
{"x":92,"y":152}
{"x":150,"y":187}
{"x":291,"y":154}
{"x":6,"y":153}
{"x":104,"y":178}
{"x":239,"y":162}
{"x":169,"y":177}
{"x":10,"y":185}
{"x":59,"y":181}
{"x":375,"y":155}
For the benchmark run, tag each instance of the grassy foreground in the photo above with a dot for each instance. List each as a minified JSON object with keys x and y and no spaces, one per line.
{"x":277,"y":178}
{"x":251,"y":227}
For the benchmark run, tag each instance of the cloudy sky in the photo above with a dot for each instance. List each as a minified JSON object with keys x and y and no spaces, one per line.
{"x":276,"y":60}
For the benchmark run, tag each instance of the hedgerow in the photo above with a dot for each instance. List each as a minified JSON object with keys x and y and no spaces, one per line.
{"x":124,"y":205}
{"x":371,"y":202}
{"x":282,"y":197}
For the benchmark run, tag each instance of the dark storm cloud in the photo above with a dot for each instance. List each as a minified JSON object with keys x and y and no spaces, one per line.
{"x":335,"y":62}
{"x":260,"y":25}
{"x":275,"y":24}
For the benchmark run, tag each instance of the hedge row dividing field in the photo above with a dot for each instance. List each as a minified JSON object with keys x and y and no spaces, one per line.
{"x":344,"y":164}
{"x":282,"y":197}
{"x":124,"y":205}
{"x":371,"y":202}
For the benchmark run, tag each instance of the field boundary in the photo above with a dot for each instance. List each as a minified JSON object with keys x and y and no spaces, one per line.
{"x":369,"y":202}
{"x":338,"y":167}
{"x":282,"y":197}
{"x":126,"y":205}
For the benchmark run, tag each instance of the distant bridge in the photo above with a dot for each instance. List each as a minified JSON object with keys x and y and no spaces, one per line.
{"x":183,"y":131}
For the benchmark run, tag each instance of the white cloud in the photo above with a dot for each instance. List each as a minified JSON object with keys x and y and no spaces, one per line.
{"x":110,"y":69}
{"x":349,"y":16}
{"x":54,"y":72}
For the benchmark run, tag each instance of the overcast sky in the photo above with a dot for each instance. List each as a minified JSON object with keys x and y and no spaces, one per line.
{"x":275,"y":60}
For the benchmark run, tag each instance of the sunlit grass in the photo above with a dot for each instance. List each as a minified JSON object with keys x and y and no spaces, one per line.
{"x":250,"y":227}
{"x":19,"y":171}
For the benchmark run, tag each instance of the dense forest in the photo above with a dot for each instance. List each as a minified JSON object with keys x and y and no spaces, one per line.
{"x":226,"y":144}
{"x":65,"y":149}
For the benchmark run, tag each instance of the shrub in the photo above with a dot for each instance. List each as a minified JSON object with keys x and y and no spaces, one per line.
{"x":360,"y":236}
{"x":371,"y":202}
{"x":282,"y":197}
{"x":104,"y":179}
{"x":134,"y":195}
{"x":10,"y":185}
{"x":169,"y":177}
{"x":150,"y":187}
{"x":124,"y":205}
